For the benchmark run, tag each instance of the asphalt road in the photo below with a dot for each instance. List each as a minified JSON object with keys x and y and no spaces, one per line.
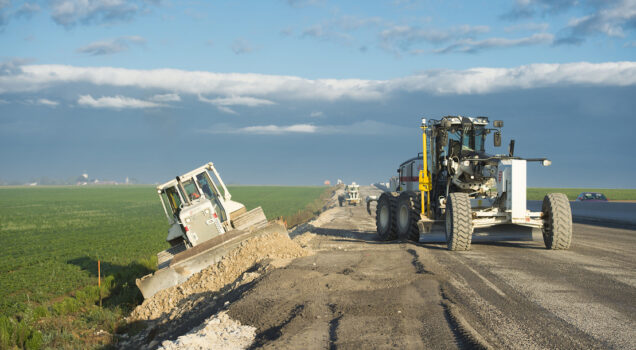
{"x":357,"y":292}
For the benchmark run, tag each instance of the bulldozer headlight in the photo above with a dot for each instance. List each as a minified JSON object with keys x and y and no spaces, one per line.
{"x":466,"y":163}
{"x":423,"y":121}
{"x":546,"y":162}
{"x":187,"y":219}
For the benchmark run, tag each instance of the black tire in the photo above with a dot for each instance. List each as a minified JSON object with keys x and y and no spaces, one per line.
{"x":385,"y":221}
{"x":557,"y":221}
{"x":407,"y":215}
{"x":459,"y":222}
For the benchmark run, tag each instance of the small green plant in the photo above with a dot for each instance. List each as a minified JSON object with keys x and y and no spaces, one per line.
{"x":67,"y":306}
{"x":18,"y":334}
{"x":40,"y":312}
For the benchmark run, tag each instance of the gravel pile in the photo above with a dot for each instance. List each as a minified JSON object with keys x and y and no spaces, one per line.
{"x":217,"y":332}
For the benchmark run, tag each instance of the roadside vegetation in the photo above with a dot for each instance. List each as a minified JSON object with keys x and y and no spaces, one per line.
{"x":572,"y":193}
{"x":53,"y":237}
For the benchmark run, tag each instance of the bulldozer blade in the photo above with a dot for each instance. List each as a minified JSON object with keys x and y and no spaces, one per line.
{"x":505,"y":232}
{"x":187,"y":263}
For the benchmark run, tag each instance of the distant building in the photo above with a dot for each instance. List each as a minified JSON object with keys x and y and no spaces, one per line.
{"x":82,"y":180}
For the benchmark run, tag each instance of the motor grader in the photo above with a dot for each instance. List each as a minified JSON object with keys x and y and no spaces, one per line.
{"x":455,"y":192}
{"x":351,"y":195}
{"x":205,"y":225}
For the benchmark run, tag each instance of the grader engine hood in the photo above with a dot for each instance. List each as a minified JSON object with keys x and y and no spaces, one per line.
{"x":511,"y":187}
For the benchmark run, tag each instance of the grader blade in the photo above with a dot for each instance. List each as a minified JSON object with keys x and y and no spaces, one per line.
{"x":505,"y":232}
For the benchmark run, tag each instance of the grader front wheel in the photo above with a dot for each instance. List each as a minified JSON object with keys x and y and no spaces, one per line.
{"x":459,"y":226}
{"x":408,"y":213}
{"x":557,"y":221}
{"x":385,"y":217}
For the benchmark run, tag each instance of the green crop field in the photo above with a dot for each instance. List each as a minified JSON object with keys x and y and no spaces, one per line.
{"x":572,"y":193}
{"x":52,"y":238}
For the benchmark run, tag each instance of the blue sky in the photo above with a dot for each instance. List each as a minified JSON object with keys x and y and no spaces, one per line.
{"x":299,"y":91}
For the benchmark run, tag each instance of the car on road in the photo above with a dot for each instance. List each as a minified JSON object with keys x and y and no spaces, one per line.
{"x":591,"y":197}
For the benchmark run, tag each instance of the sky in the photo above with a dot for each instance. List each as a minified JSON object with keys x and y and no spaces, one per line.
{"x":295,"y":92}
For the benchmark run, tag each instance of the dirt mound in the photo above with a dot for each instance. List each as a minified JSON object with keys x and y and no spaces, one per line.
{"x":168,"y":303}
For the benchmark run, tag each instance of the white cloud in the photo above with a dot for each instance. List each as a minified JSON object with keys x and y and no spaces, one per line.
{"x":41,"y":102}
{"x":237,"y":101}
{"x":611,"y":21}
{"x":46,"y":102}
{"x":241,"y":46}
{"x":27,"y":10}
{"x":222,"y":103}
{"x":111,"y":46}
{"x":316,"y":114}
{"x":166,"y":98}
{"x":275,"y":129}
{"x":472,"y":46}
{"x":227,"y":110}
{"x":29,"y":78}
{"x":71,"y":12}
{"x":115,"y":102}
{"x":402,"y":37}
{"x":367,"y":127}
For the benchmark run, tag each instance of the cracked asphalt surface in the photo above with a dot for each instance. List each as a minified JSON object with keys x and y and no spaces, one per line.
{"x":358,"y":292}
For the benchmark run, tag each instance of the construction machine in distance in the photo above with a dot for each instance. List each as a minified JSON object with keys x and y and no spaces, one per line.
{"x":205,"y":225}
{"x":351,"y":195}
{"x":455,"y":192}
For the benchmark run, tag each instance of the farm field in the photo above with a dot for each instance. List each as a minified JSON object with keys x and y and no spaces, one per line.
{"x":53,"y":236}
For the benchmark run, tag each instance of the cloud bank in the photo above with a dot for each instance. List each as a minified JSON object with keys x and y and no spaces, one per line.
{"x":256,"y":90}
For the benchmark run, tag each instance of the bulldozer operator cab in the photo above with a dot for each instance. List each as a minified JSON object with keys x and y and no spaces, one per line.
{"x":191,"y":190}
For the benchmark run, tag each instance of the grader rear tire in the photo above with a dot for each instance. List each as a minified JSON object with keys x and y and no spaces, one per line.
{"x":385,"y":217}
{"x":557,"y":221}
{"x":459,"y":225}
{"x":408,"y":214}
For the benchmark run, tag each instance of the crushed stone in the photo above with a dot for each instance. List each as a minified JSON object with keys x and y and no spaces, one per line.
{"x":217,"y":332}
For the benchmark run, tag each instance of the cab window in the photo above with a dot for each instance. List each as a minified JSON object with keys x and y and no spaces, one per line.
{"x":205,"y":186}
{"x":173,"y":198}
{"x":191,"y":189}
